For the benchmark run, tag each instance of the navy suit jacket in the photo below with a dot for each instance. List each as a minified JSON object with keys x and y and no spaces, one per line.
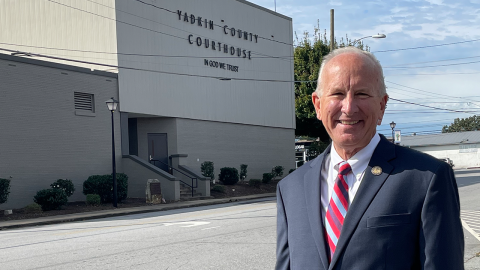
{"x":408,"y":217}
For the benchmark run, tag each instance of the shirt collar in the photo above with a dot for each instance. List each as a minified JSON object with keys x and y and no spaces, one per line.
{"x":360,"y":160}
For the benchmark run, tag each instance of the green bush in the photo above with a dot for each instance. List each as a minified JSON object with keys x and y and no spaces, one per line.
{"x":50,"y":199}
{"x":290,"y":171}
{"x":277,"y":171}
{"x":255,"y":183}
{"x":267,"y":177}
{"x":229,"y":176}
{"x":103,"y":186}
{"x":32,"y":208}
{"x":4,"y":190}
{"x":64,"y":184}
{"x":208,"y":169}
{"x":93,"y":199}
{"x":243,"y":171}
{"x":218,"y":188}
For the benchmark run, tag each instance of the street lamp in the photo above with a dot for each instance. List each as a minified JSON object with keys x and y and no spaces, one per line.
{"x":392,"y":125}
{"x":374,"y":36}
{"x":112,"y":106}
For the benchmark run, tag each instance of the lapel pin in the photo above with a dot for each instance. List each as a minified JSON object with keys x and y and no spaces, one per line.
{"x":376,"y":170}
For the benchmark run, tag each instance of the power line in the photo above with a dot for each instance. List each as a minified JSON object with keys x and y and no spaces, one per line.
{"x":430,"y":46}
{"x":444,"y":60}
{"x":436,"y":74}
{"x":155,"y":6}
{"x":430,"y":106}
{"x":147,"y":29}
{"x":148,"y":70}
{"x":446,"y":65}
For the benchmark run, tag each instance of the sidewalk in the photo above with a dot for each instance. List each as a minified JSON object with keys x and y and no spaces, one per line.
{"x":124,"y":211}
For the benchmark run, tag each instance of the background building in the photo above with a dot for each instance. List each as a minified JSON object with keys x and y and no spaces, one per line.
{"x":197,"y":81}
{"x":460,"y":147}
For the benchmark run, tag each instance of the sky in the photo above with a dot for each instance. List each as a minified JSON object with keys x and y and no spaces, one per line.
{"x":441,"y":71}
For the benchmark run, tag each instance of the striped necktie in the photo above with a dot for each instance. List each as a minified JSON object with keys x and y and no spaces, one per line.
{"x":337,"y":208}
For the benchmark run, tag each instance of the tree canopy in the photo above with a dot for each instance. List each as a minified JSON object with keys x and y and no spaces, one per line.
{"x":308,"y":56}
{"x":463,"y":124}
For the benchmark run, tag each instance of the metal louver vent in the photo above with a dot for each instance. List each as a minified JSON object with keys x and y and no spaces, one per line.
{"x":84,"y":101}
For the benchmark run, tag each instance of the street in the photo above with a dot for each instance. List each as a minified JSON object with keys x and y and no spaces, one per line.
{"x":239,"y":235}
{"x":233,"y":236}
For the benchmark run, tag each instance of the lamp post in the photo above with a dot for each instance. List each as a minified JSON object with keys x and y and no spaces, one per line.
{"x":392,"y":125}
{"x":374,"y":36}
{"x":112,"y":106}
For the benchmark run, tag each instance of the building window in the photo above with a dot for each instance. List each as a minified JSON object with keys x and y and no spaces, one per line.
{"x":84,"y":102}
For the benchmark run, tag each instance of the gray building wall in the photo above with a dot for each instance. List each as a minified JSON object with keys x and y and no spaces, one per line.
{"x":226,"y":144}
{"x":229,"y":145}
{"x":156,"y":125}
{"x":42,"y":138}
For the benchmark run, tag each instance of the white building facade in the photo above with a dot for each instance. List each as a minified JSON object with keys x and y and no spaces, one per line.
{"x":197,"y":80}
{"x":460,"y":147}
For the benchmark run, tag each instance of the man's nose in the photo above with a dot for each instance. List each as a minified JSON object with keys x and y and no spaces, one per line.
{"x":349,"y":105}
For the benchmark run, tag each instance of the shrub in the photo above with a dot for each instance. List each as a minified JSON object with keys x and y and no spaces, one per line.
{"x":64,"y":184}
{"x":255,"y":183}
{"x":229,"y":176}
{"x":208,"y":169}
{"x":290,"y":171}
{"x":103,"y":186}
{"x":267,"y":177}
{"x":32,"y":208}
{"x":4,"y":190}
{"x":243,"y":171}
{"x":218,"y":188}
{"x":277,"y":171}
{"x":50,"y":199}
{"x":93,"y":199}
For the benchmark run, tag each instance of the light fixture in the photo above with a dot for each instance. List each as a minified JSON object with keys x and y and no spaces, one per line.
{"x":112,"y":106}
{"x":374,"y":36}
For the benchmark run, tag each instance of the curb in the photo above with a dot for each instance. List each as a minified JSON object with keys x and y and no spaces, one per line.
{"x":124,"y":211}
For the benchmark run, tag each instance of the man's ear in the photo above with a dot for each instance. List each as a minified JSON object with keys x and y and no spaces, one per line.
{"x":383,"y":107}
{"x":383,"y":104}
{"x":316,"y":104}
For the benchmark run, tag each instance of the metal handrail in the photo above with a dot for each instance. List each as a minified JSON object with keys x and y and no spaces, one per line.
{"x":192,"y":186}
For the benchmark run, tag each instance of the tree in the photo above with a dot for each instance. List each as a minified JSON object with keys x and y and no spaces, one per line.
{"x":308,"y":56}
{"x":463,"y":124}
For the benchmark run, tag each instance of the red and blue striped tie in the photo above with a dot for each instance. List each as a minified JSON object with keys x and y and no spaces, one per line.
{"x":337,"y":208}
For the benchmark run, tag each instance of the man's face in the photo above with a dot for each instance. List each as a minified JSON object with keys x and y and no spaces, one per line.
{"x":350,"y":105}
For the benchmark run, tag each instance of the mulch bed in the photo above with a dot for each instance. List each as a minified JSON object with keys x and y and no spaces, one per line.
{"x":240,"y":189}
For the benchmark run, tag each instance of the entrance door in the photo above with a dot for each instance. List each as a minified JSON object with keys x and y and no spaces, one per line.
{"x":158,"y":150}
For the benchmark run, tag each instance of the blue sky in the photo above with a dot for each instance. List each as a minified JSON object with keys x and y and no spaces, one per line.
{"x":444,"y":77}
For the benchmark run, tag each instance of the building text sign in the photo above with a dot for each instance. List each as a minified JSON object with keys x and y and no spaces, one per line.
{"x":236,"y":33}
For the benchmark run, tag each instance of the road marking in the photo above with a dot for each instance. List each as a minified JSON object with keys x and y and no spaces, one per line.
{"x":210,"y":228}
{"x":188,"y":224}
{"x":471,"y":222}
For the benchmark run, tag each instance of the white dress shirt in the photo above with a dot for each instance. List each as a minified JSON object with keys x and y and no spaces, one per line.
{"x":358,"y":163}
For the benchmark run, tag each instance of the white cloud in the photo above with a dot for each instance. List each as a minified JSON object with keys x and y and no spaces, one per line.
{"x":435,"y":2}
{"x":334,"y":3}
{"x":398,"y":9}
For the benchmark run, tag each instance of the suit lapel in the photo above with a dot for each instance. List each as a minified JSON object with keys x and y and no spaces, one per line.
{"x":369,"y":187}
{"x":313,"y":197}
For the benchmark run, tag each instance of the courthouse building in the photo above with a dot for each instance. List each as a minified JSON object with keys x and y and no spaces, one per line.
{"x":196,"y":81}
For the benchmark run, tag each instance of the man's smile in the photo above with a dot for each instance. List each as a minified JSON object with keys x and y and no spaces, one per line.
{"x":345,"y":122}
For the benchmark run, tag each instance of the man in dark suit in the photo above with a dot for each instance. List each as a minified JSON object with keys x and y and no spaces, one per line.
{"x":365,"y":203}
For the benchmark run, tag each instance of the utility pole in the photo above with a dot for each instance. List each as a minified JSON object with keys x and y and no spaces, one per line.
{"x":332,"y":35}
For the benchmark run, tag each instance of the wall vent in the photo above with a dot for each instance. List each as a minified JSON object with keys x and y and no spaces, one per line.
{"x":84,"y":102}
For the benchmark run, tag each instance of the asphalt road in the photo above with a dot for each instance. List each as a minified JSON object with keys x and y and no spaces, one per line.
{"x":468,"y":182}
{"x":231,"y":236}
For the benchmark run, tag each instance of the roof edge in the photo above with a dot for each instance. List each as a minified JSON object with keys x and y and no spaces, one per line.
{"x":265,"y":9}
{"x":56,"y":65}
